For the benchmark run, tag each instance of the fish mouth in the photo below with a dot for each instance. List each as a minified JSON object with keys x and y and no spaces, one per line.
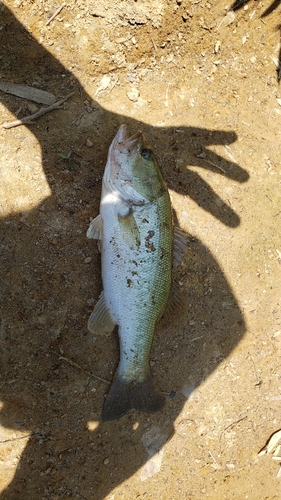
{"x":124,"y":143}
{"x":131,"y":144}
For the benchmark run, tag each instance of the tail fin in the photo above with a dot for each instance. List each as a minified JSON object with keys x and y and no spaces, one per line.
{"x":124,"y":395}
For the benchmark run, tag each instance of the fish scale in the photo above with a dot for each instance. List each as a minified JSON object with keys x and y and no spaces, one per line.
{"x":138,"y":288}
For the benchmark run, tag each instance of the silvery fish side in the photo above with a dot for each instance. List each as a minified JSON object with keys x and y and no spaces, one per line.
{"x":135,"y":234}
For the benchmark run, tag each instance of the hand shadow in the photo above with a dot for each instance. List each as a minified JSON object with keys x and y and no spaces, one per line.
{"x":46,"y":284}
{"x":238,"y":4}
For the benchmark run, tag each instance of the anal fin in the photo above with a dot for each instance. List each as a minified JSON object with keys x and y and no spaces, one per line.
{"x":100,"y":320}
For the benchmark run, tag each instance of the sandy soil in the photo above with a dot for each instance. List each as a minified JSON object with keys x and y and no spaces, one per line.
{"x":201,"y":82}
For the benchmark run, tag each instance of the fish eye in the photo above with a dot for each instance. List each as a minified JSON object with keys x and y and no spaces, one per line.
{"x":146,"y":153}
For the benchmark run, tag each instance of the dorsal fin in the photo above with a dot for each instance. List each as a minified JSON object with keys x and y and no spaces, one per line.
{"x":180,"y":246}
{"x":174,"y":303}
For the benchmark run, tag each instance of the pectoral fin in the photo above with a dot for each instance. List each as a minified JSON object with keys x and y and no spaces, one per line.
{"x":100,"y":320}
{"x":95,"y":228}
{"x":129,"y":230}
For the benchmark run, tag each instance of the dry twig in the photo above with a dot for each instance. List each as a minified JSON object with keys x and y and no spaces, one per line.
{"x":72,"y":363}
{"x":30,"y":119}
{"x":26,"y":436}
{"x":55,"y":14}
{"x":211,"y":163}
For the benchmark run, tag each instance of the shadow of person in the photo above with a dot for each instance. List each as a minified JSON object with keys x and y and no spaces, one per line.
{"x":53,"y":373}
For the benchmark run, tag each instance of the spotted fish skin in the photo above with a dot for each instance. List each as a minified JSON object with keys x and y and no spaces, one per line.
{"x":135,"y":236}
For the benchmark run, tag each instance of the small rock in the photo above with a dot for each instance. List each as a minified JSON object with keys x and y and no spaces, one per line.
{"x":133,"y":94}
{"x":119,"y":59}
{"x":105,"y":81}
{"x":228,"y":19}
{"x":171,"y":394}
{"x":87,"y":260}
{"x":141,"y":102}
{"x":217,"y":46}
{"x":32,"y":107}
{"x":89,"y":143}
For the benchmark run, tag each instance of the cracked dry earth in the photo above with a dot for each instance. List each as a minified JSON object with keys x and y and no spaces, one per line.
{"x":200,"y":79}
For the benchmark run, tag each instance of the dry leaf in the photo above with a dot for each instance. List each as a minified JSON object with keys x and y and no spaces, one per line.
{"x":26,"y":92}
{"x":272,"y":443}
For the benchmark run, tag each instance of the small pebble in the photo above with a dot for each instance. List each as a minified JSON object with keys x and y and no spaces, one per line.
{"x":32,"y":107}
{"x":133,"y":94}
{"x":172,"y":395}
{"x":105,"y":81}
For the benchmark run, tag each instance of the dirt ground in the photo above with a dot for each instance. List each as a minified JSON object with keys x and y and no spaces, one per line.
{"x":202,"y":82}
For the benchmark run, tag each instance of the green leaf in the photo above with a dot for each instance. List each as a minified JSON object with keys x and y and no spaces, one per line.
{"x":71,"y":165}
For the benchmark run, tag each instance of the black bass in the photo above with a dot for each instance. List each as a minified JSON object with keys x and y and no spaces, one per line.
{"x":135,"y":234}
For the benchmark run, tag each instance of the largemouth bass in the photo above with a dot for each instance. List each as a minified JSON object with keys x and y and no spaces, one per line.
{"x":135,"y":234}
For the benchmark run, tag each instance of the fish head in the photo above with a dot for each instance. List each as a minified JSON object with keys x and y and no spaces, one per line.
{"x":132,"y":168}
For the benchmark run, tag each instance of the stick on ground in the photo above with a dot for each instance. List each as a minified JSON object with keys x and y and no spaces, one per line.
{"x":30,"y":119}
{"x":55,"y":13}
